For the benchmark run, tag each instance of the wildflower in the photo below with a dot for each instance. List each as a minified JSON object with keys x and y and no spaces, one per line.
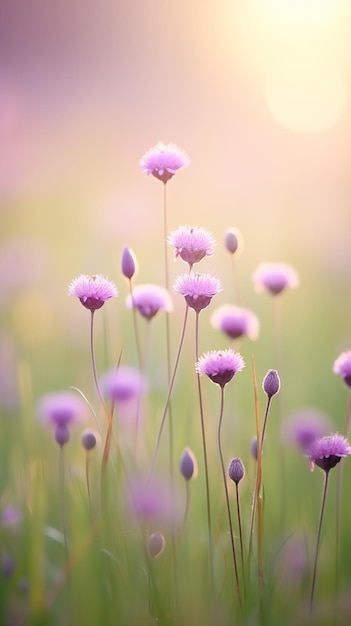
{"x":153,"y":502}
{"x":89,"y":439}
{"x":62,"y":434}
{"x":235,"y":321}
{"x":326,"y":452}
{"x":220,"y":366}
{"x":188,"y":465}
{"x":92,"y":291}
{"x":123,"y":384}
{"x":149,"y":299}
{"x":342,"y":366}
{"x":275,"y":277}
{"x":236,"y":470}
{"x":128,"y":264}
{"x":198,"y":289}
{"x":10,"y":517}
{"x":61,"y":408}
{"x":271,"y":383}
{"x":233,"y":241}
{"x":155,"y":545}
{"x":192,"y":244}
{"x":305,"y":425}
{"x":163,"y":160}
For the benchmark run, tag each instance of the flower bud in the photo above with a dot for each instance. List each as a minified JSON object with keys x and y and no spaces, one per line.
{"x":236,"y":470}
{"x":128,"y":263}
{"x":188,"y":464}
{"x":88,"y":440}
{"x":271,"y":383}
{"x":62,"y":435}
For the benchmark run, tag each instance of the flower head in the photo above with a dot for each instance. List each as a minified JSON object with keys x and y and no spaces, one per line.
{"x":342,"y":366}
{"x":188,"y":464}
{"x":271,"y":383}
{"x":61,"y":408}
{"x":233,"y":241}
{"x":163,"y":160}
{"x":92,"y":291}
{"x":123,"y":384}
{"x":89,"y":439}
{"x":149,"y":299}
{"x":326,"y":452}
{"x":220,"y":365}
{"x":192,"y":244}
{"x":304,"y":426}
{"x":198,"y":289}
{"x":275,"y":277}
{"x":236,"y":470}
{"x":235,"y":321}
{"x":128,"y":263}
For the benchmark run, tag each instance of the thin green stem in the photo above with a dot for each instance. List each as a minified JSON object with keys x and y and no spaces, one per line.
{"x":326,"y":479}
{"x":63,"y":499}
{"x":240,"y":528}
{"x":93,"y":362}
{"x":227,"y":494}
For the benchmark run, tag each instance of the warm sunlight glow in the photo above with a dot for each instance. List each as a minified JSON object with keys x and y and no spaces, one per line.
{"x":299,"y":11}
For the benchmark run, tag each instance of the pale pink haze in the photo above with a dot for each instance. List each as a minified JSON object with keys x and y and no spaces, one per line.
{"x":235,"y":321}
{"x":163,"y":161}
{"x":92,"y":291}
{"x":342,"y":366}
{"x":192,"y":243}
{"x":220,"y":365}
{"x":148,"y":299}
{"x":61,"y":408}
{"x":197,"y":289}
{"x":275,"y":277}
{"x":123,"y":384}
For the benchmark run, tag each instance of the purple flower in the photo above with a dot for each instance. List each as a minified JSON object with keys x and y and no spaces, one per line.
{"x":342,"y":366}
{"x":198,"y":289}
{"x":236,"y":470}
{"x":235,"y":321}
{"x":304,"y":426}
{"x":10,"y":517}
{"x":271,"y":383}
{"x":61,"y":408}
{"x":275,"y":277}
{"x":163,"y":160}
{"x":233,"y":240}
{"x":92,"y":291}
{"x":128,"y":264}
{"x":62,"y":434}
{"x":149,"y":299}
{"x":326,"y":452}
{"x":123,"y":384}
{"x":89,"y":439}
{"x":220,"y":365}
{"x":153,"y":502}
{"x":155,"y":545}
{"x":188,"y":464}
{"x":192,"y":244}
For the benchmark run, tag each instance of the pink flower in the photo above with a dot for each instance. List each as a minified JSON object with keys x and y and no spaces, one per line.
{"x":198,"y":289}
{"x":304,"y":426}
{"x":149,"y":299}
{"x":92,"y":291}
{"x":326,"y":452}
{"x":61,"y":408}
{"x":192,"y":244}
{"x":220,"y":365}
{"x":123,"y":384}
{"x":163,"y":160}
{"x":235,"y":321}
{"x":342,"y":366}
{"x":275,"y":277}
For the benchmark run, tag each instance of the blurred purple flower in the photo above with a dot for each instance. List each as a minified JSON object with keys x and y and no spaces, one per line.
{"x":92,"y":291}
{"x":220,"y":365}
{"x":89,"y":439}
{"x":235,"y":321}
{"x":149,"y":299}
{"x":198,"y":289}
{"x":61,"y":408}
{"x":192,"y":244}
{"x":305,"y":425}
{"x":275,"y":277}
{"x":163,"y":160}
{"x":153,"y":501}
{"x":123,"y":384}
{"x":10,"y":517}
{"x":233,"y":241}
{"x":326,"y":452}
{"x":342,"y":366}
{"x":188,"y":465}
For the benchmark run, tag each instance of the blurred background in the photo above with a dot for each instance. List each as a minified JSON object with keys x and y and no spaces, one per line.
{"x":256,"y":92}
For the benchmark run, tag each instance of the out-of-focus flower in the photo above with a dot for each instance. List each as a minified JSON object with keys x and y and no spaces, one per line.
{"x":63,"y":408}
{"x":271,"y":383}
{"x":155,"y":545}
{"x":233,"y":241}
{"x":163,"y":160}
{"x":188,"y":464}
{"x":89,"y":439}
{"x":275,"y":277}
{"x":192,"y":244}
{"x":149,"y":299}
{"x":326,"y":452}
{"x":128,"y":263}
{"x":236,"y":470}
{"x":62,"y":434}
{"x":220,"y":365}
{"x":92,"y":291}
{"x":154,"y":502}
{"x":197,"y":289}
{"x":123,"y":384}
{"x":10,"y":517}
{"x":342,"y":366}
{"x":235,"y":321}
{"x":305,"y":425}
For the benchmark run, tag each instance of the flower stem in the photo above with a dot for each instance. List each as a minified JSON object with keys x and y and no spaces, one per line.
{"x":227,"y":494}
{"x":92,"y":352}
{"x":326,"y":479}
{"x":63,"y":500}
{"x":240,"y":528}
